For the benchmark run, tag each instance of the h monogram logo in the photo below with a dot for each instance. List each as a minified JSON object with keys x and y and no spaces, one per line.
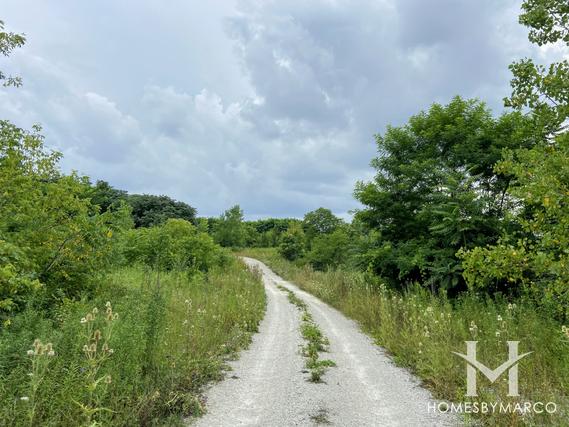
{"x":510,"y":365}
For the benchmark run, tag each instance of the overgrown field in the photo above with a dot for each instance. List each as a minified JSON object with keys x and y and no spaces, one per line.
{"x":421,"y":330}
{"x":137,"y":354}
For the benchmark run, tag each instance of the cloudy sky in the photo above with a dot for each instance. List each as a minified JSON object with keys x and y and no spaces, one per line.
{"x":269,"y":104}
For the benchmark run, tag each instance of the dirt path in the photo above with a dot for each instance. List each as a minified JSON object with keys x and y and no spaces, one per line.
{"x":269,"y":388}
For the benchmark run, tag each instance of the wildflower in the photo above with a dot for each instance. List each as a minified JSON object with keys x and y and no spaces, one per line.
{"x":473,"y":328}
{"x":86,"y":348}
{"x":83,"y":320}
{"x":89,"y":317}
{"x":24,"y":398}
{"x":426,"y":333}
{"x":51,"y":353}
{"x":108,"y":379}
{"x":95,"y":311}
{"x":499,"y":318}
{"x":30,"y":352}
{"x":497,"y":333}
{"x":108,"y":304}
{"x":97,"y":335}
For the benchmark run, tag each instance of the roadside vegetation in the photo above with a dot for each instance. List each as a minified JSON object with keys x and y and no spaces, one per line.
{"x":420,"y":330}
{"x":316,"y":342}
{"x":170,"y":334}
{"x":117,"y":308}
{"x":102,"y":323}
{"x":462,"y":236}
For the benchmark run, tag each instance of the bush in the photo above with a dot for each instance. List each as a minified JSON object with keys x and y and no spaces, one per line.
{"x":172,"y":336}
{"x":420,"y":330}
{"x":175,"y":245}
{"x":50,"y":231}
{"x":329,"y":250}
{"x":292,"y":244}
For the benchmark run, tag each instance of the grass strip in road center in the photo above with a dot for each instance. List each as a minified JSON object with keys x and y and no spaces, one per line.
{"x":316,"y":342}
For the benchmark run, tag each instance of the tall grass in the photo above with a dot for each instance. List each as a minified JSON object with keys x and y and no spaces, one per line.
{"x":420,"y":330}
{"x":172,"y":334}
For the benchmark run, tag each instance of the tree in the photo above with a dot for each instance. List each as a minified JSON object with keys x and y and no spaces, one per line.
{"x":50,"y":233}
{"x":230,"y":229}
{"x":329,"y":250}
{"x":318,"y":222}
{"x":292,"y":244}
{"x":9,"y":42}
{"x":175,"y":245}
{"x":543,"y":89}
{"x":149,"y":210}
{"x":436,"y":191}
{"x":535,"y":258}
{"x":106,"y":197}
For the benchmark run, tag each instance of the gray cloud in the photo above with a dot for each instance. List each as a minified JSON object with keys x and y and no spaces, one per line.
{"x":268,"y":104}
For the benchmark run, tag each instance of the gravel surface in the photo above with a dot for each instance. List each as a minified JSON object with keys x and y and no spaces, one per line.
{"x":268,"y":384}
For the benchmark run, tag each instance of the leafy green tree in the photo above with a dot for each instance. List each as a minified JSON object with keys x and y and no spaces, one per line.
{"x":105,"y":196}
{"x":230,"y":229}
{"x":292,"y":246}
{"x":329,"y":250}
{"x":175,"y":245}
{"x":319,"y":222}
{"x":267,"y":233}
{"x":436,"y":191}
{"x":50,"y":234}
{"x":543,"y":89}
{"x":536,"y":258}
{"x":9,"y":42}
{"x":149,"y":210}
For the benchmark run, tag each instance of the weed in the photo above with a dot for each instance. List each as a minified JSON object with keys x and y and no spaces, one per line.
{"x":103,"y":365}
{"x":321,"y":417}
{"x":40,"y":355}
{"x":97,"y":335}
{"x":420,"y":330}
{"x":316,"y":342}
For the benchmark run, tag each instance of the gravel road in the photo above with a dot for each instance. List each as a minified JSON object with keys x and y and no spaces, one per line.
{"x":268,"y":384}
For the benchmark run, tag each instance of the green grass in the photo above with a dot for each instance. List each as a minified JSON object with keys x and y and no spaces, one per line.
{"x":174,"y":334}
{"x":316,"y":342}
{"x":421,"y":330}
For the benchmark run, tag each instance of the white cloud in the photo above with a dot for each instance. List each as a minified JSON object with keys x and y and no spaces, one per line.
{"x":268,"y":104}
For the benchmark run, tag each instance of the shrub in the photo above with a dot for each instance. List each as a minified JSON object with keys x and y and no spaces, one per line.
{"x":175,"y":245}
